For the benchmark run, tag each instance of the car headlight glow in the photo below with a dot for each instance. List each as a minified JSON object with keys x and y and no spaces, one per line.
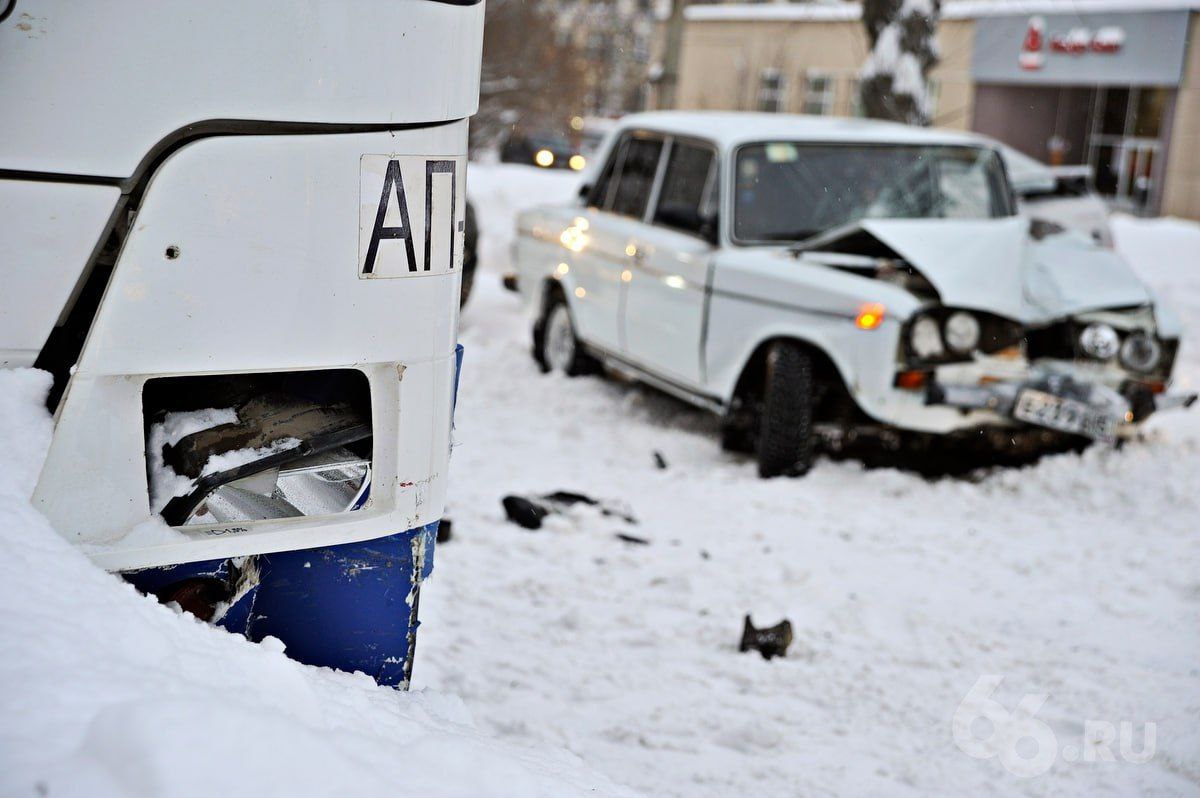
{"x":1099,"y":341}
{"x":577,"y":162}
{"x":1140,"y":352}
{"x":925,"y":338}
{"x":962,"y":331}
{"x":543,"y":158}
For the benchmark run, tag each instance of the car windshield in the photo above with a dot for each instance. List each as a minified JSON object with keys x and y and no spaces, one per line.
{"x":788,"y":191}
{"x":554,"y":143}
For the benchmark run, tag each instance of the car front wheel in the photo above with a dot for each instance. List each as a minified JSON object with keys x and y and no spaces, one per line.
{"x":785,"y":438}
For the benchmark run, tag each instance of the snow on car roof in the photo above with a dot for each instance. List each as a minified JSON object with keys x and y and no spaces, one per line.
{"x":729,"y":128}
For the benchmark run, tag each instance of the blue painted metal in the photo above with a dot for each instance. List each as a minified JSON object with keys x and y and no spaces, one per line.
{"x":458,"y":359}
{"x":351,"y":607}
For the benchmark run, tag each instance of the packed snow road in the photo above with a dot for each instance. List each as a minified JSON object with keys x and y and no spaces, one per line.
{"x":1077,"y":579}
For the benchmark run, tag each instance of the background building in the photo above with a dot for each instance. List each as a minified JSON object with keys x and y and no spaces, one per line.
{"x":1111,"y":84}
{"x":613,"y":38}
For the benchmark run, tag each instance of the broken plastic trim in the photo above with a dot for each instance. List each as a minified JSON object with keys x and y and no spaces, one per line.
{"x":335,"y":481}
{"x":182,"y":509}
{"x":294,"y":444}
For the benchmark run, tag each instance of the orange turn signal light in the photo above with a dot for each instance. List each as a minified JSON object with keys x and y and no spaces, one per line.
{"x":870,"y":316}
{"x":911,"y":380}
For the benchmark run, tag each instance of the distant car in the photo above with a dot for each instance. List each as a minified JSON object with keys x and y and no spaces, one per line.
{"x":791,"y":271}
{"x":595,"y":131}
{"x":1063,"y":195}
{"x":549,"y":151}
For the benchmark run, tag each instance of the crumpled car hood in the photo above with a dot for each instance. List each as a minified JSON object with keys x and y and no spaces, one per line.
{"x":994,"y":265}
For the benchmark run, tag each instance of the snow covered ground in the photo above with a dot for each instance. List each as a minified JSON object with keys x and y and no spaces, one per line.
{"x":104,"y":692}
{"x":1078,"y":578}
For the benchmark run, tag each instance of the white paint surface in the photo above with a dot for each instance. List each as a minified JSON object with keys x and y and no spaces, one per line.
{"x":170,"y":63}
{"x":267,"y":279}
{"x":48,"y":232}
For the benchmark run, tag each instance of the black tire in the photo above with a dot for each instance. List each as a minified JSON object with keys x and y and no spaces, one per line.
{"x":574,"y":364}
{"x":468,"y":282}
{"x":737,"y":434}
{"x":470,"y":254}
{"x":785,"y":437}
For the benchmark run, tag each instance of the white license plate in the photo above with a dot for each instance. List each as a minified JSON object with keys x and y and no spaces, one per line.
{"x":1065,"y":415}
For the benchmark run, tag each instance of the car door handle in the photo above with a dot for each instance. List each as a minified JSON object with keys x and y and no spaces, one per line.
{"x":637,"y":253}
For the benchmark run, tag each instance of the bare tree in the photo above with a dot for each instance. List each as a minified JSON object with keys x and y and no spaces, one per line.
{"x":895,"y":79}
{"x":532,"y":75}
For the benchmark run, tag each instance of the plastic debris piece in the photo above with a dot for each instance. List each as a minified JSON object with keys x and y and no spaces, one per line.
{"x":528,"y":512}
{"x":523,"y":512}
{"x":770,"y":641}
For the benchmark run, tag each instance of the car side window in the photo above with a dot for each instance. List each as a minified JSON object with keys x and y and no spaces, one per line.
{"x":636,"y":177}
{"x":598,"y":197}
{"x":681,"y":201}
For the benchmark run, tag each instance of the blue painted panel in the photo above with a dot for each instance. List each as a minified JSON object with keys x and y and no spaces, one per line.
{"x":350,"y":607}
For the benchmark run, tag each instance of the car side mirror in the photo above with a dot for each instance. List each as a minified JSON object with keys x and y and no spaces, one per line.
{"x":585,"y":191}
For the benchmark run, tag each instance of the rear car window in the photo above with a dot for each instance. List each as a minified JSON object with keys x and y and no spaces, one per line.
{"x":685,"y":185}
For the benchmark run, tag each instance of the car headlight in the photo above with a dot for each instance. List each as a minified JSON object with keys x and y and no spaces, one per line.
{"x":544,"y":158}
{"x":1140,"y":352}
{"x":962,"y":332}
{"x":1099,"y":341}
{"x":925,"y":338}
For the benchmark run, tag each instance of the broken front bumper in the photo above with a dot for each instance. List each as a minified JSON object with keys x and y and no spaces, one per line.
{"x":1061,"y":402}
{"x":352,"y":606}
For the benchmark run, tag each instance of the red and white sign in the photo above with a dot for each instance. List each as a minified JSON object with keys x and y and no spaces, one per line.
{"x":1076,"y":41}
{"x":1031,"y":48}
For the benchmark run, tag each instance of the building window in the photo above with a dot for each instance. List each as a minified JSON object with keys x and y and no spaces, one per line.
{"x":856,"y":106}
{"x":818,"y":93}
{"x":770,"y":90}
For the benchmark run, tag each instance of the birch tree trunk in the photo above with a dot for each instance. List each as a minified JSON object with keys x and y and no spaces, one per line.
{"x":895,"y":79}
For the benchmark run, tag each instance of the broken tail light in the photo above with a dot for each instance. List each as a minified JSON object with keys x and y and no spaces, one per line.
{"x":242,"y":448}
{"x":322,"y":484}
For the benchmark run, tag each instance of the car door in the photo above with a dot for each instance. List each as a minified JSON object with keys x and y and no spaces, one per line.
{"x":671,"y":255}
{"x":616,"y":206}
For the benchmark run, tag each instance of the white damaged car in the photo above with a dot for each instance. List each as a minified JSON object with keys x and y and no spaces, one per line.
{"x":804,"y":275}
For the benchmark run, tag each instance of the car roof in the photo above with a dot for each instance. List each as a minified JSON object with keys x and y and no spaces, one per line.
{"x":730,"y":128}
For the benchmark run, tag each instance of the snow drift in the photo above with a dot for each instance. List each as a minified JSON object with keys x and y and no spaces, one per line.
{"x":104,"y":692}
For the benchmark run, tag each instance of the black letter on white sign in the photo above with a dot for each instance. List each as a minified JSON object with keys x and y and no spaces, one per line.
{"x":432,"y":167}
{"x":378,"y":232}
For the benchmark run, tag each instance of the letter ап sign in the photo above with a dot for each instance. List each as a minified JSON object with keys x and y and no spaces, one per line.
{"x":409,"y":223}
